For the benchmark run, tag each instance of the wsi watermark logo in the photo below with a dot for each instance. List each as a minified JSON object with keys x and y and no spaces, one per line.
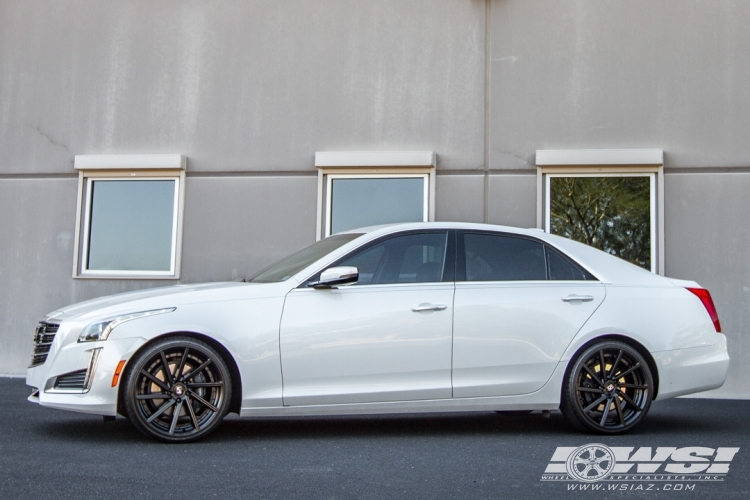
{"x":663,"y":468}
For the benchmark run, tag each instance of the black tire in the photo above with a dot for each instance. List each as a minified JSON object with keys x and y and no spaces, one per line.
{"x":608,"y":388}
{"x":195,"y":383}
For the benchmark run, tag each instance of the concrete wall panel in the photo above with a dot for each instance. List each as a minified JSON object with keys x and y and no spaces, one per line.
{"x":512,"y":200}
{"x":577,"y":74}
{"x":242,"y":84}
{"x":459,"y":198}
{"x":234,"y":226}
{"x":707,"y":238}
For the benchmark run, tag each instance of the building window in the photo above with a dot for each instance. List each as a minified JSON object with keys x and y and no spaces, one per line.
{"x":368,"y":200}
{"x":360,"y":189}
{"x":608,"y":199}
{"x":129,"y":216}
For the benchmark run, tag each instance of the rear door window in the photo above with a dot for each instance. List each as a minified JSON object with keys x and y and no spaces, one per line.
{"x":495,"y":257}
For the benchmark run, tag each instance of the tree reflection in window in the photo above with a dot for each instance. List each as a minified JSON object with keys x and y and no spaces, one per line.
{"x":612,"y":214}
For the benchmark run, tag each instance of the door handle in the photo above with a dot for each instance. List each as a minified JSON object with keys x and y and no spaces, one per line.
{"x":574,"y":298}
{"x":429,"y":307}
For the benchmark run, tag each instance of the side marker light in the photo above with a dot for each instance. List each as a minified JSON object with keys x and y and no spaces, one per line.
{"x":118,"y":370}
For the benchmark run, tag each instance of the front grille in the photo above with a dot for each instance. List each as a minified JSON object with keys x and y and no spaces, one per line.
{"x":72,"y":380}
{"x":43,"y":337}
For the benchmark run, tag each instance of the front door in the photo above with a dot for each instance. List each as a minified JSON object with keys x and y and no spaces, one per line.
{"x":385,"y":338}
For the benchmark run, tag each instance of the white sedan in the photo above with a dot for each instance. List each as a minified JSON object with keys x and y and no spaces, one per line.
{"x":423,"y":317}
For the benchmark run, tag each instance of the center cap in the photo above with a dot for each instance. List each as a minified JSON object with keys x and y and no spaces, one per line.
{"x":178,"y":390}
{"x":610,"y":387}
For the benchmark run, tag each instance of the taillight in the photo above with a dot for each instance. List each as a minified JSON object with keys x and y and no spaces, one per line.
{"x":708,"y":303}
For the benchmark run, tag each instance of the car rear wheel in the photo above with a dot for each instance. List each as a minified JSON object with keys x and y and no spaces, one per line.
{"x":178,"y":390}
{"x":608,"y":389}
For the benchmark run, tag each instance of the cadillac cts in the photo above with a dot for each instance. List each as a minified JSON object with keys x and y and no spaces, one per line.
{"x":423,"y":317}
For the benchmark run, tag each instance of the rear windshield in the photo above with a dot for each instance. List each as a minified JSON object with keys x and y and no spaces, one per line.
{"x":291,"y":265}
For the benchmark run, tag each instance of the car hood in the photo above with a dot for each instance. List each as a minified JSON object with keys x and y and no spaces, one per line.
{"x":164,"y":297}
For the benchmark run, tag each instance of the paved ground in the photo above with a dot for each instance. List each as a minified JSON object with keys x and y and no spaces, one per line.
{"x":53,"y":454}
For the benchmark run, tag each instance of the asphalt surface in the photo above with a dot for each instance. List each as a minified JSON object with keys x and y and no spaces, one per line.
{"x":47,"y":453}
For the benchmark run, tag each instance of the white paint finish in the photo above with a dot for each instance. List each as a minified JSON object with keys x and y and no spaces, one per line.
{"x":375,"y":159}
{"x":599,"y":157}
{"x":685,"y":371}
{"x":362,"y":344}
{"x":130,"y":162}
{"x":374,"y":354}
{"x":509,"y":336}
{"x":661,"y":318}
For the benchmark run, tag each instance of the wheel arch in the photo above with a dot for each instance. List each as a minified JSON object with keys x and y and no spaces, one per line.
{"x":621,"y":338}
{"x":236,"y":402}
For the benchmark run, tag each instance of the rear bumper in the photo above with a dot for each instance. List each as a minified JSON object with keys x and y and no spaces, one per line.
{"x":687,"y":371}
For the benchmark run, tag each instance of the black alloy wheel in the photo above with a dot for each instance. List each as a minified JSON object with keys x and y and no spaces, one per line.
{"x":609,"y":388}
{"x":178,"y":390}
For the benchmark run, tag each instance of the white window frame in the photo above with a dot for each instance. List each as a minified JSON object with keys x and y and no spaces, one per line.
{"x":606,"y":163}
{"x":94,"y":168}
{"x":371,"y":165}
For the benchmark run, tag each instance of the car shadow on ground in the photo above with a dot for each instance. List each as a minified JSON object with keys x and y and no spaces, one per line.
{"x":663,"y":423}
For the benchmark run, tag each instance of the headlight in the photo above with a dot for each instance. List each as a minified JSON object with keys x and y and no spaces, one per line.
{"x":101,"y":330}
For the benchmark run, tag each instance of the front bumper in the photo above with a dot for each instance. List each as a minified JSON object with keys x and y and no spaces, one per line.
{"x":687,"y":371}
{"x":101,"y":397}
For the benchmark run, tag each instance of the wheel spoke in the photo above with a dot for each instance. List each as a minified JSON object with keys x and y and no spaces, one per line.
{"x":193,"y":373}
{"x":605,"y":413}
{"x":614,"y":366}
{"x":205,"y":384}
{"x":192,"y":415}
{"x":629,"y":371}
{"x":593,"y":375}
{"x":629,"y":401}
{"x":590,"y":389}
{"x":167,"y":373}
{"x":602,"y":365}
{"x":178,"y":372}
{"x":619,"y":411}
{"x":203,"y":401}
{"x":634,"y":386}
{"x":595,"y":403}
{"x":175,"y":417}
{"x":161,"y":410}
{"x":155,"y":380}
{"x":157,"y":395}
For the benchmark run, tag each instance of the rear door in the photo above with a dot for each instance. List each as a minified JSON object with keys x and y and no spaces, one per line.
{"x":518,"y":305}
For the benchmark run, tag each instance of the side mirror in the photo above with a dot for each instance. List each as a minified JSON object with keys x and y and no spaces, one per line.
{"x":333,"y":276}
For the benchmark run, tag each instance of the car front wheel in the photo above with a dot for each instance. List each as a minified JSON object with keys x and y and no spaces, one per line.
{"x":608,"y":389}
{"x":178,"y":390}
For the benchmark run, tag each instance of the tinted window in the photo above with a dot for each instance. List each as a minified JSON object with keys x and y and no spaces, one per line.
{"x":503,"y":258}
{"x":560,"y":268}
{"x":296,"y":262}
{"x":413,"y":258}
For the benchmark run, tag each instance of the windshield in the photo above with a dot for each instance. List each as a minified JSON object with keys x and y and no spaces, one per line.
{"x":296,"y":262}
